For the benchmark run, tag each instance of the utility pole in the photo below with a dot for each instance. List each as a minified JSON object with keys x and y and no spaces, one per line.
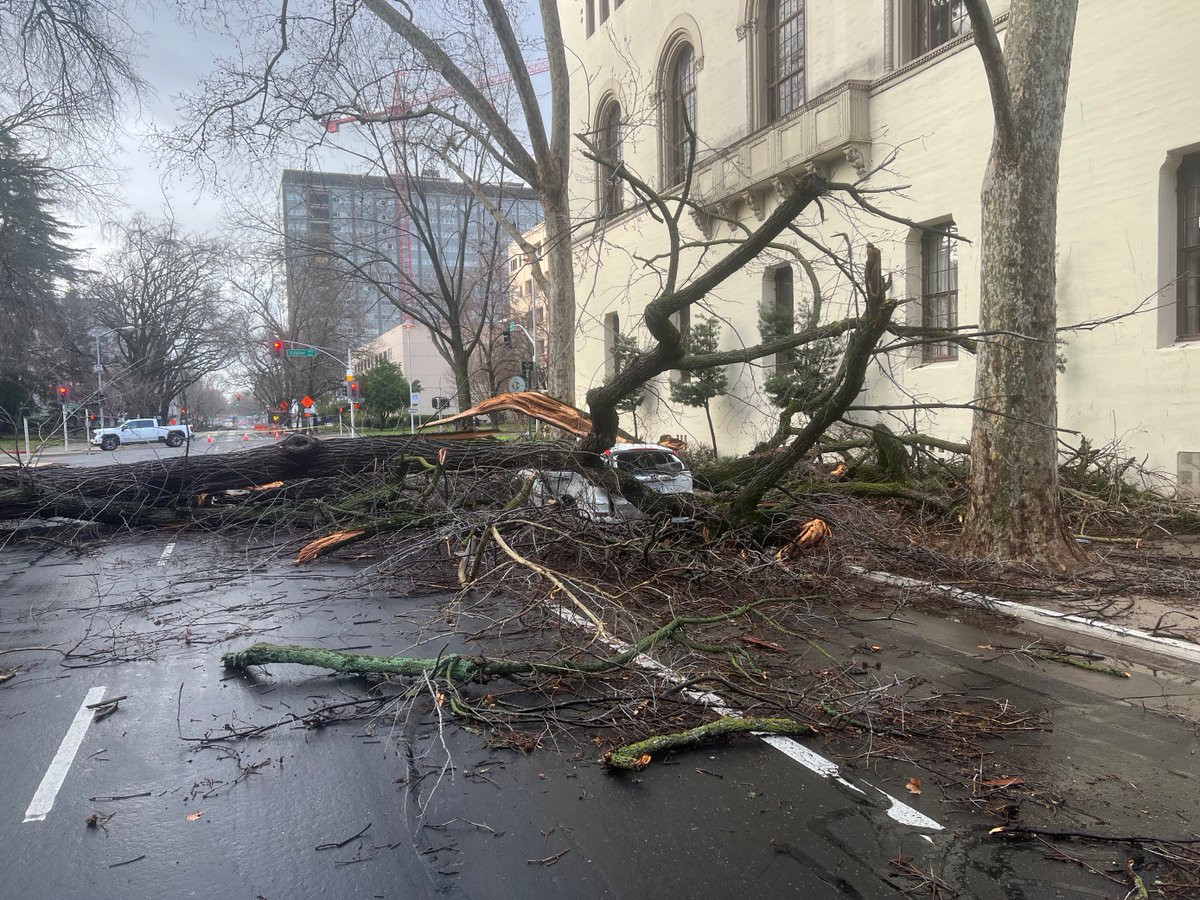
{"x":350,"y":399}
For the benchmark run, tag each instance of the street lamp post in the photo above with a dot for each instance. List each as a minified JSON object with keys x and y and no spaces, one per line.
{"x":100,"y":367}
{"x":408,"y":325}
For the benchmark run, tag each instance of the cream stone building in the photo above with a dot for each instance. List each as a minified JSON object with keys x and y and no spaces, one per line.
{"x":411,"y":347}
{"x":527,"y":301}
{"x":778,"y":87}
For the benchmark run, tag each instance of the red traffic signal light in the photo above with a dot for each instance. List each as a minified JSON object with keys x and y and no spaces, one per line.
{"x":64,"y":391}
{"x":277,"y":349}
{"x":354,"y":388}
{"x":357,"y":405}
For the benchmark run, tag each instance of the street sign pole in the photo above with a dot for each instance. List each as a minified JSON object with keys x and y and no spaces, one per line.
{"x":66,"y":443}
{"x":350,"y":399}
{"x":25,"y":421}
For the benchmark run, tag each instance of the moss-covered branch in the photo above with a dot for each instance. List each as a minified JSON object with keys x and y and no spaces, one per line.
{"x":639,"y":754}
{"x":457,"y":668}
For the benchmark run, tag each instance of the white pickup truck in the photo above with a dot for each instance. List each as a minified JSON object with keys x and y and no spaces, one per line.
{"x":141,"y":431}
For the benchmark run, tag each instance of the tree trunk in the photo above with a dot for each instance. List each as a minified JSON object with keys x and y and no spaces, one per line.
{"x":560,"y":295}
{"x":1014,"y":510}
{"x":462,"y":377}
{"x":712,"y":432}
{"x":177,"y":482}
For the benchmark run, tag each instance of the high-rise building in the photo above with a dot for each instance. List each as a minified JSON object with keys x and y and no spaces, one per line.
{"x":371,"y":244}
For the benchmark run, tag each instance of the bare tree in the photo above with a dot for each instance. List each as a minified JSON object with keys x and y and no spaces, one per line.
{"x":163,"y":294}
{"x":302,"y":66}
{"x":436,"y":251}
{"x":1014,"y":509}
{"x":309,"y":313}
{"x":65,"y":74}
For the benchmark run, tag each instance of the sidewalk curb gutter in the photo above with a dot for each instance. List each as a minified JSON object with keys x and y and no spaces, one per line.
{"x":1118,"y":634}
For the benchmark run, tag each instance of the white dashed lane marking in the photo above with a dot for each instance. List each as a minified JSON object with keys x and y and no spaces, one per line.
{"x":794,"y":750}
{"x":47,"y":792}
{"x":166,"y":554}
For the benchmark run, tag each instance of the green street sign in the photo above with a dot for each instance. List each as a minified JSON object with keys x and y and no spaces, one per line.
{"x":301,"y":351}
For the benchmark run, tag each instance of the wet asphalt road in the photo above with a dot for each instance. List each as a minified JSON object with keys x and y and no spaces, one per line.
{"x":148,"y":616}
{"x":204,"y":444}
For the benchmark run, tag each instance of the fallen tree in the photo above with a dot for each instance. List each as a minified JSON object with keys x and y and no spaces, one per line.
{"x":139,"y":493}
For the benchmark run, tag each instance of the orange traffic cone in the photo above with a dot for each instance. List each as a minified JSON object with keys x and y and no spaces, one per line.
{"x":210,"y":438}
{"x":245,"y":437}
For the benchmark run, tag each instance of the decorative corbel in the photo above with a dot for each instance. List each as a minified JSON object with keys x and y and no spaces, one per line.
{"x":704,"y":221}
{"x":755,"y":204}
{"x":746,"y":29}
{"x":784,"y":185}
{"x":857,"y":159}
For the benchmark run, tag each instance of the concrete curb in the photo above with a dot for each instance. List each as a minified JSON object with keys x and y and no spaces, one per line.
{"x":1118,"y":634}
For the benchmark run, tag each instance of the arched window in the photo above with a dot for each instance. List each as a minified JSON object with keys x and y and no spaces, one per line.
{"x":785,"y":56}
{"x":609,"y":187}
{"x":680,"y":112}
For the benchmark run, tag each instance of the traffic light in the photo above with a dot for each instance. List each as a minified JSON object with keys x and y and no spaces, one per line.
{"x":277,"y":349}
{"x":354,"y":390}
{"x":64,"y":393}
{"x":357,"y":405}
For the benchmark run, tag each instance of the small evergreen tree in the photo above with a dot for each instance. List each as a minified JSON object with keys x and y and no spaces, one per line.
{"x":625,"y":347}
{"x":702,"y":386}
{"x":803,"y":374}
{"x":385,"y":390}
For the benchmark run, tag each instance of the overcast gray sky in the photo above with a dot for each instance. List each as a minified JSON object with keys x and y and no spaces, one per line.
{"x":173,"y":59}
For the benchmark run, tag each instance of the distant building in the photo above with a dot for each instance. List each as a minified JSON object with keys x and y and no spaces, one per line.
{"x":340,"y":233}
{"x":411,"y":348}
{"x":349,"y":236}
{"x":527,"y":301}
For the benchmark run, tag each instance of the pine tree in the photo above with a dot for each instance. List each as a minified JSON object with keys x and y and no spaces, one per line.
{"x":700,"y":387}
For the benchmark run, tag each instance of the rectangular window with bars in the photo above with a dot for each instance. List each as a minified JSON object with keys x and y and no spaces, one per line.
{"x":939,"y":290}
{"x":937,"y":22}
{"x":785,"y":43}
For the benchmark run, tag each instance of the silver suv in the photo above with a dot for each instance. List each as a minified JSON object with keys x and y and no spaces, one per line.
{"x":657,"y":467}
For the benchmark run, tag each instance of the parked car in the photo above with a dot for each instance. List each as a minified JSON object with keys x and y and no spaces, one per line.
{"x":141,"y":431}
{"x":657,"y":467}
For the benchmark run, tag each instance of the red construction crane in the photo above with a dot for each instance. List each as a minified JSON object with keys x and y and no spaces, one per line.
{"x":402,"y":106}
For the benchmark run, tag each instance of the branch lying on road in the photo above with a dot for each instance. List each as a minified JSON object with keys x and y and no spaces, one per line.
{"x":638,"y":755}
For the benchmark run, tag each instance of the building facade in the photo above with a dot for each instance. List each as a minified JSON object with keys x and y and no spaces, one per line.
{"x":527,"y":301}
{"x":357,"y":236}
{"x":775,"y":88}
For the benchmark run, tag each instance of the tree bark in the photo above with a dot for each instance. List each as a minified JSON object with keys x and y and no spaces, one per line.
{"x":560,"y":294}
{"x":124,"y":492}
{"x":1014,"y":511}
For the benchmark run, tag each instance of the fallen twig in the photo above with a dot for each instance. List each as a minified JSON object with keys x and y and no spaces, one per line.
{"x":339,"y":844}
